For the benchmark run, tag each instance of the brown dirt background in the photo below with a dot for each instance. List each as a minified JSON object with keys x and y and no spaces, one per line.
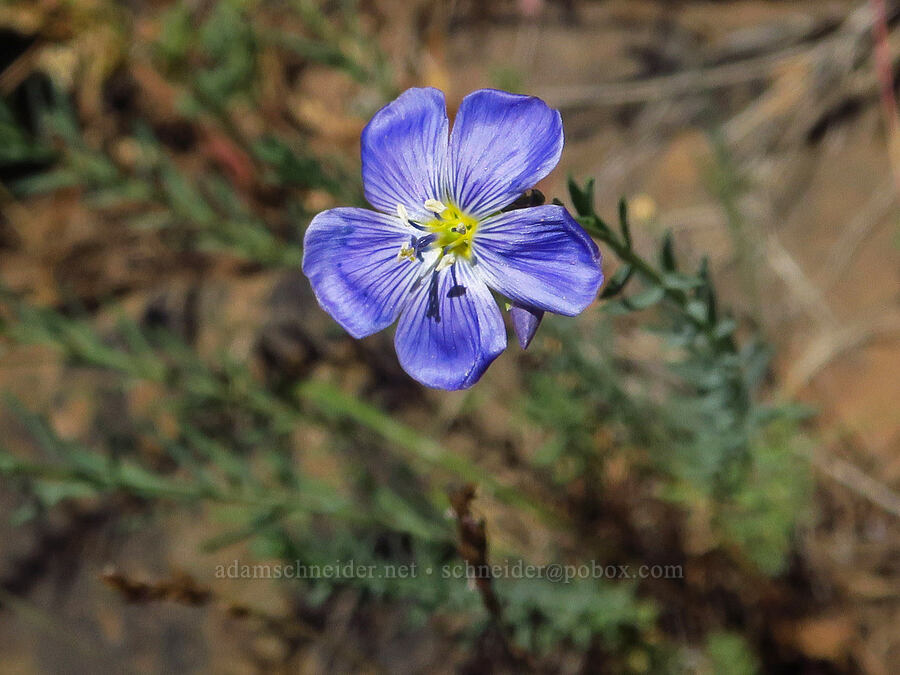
{"x":817,"y":269}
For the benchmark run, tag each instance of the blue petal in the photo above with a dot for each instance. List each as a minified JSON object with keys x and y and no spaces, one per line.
{"x":350,"y":257}
{"x":404,"y":149}
{"x":451,"y":330}
{"x":525,"y":321}
{"x":501,"y":145}
{"x":539,"y":257}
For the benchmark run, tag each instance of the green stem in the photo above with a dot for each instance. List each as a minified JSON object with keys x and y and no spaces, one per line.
{"x":627,"y":254}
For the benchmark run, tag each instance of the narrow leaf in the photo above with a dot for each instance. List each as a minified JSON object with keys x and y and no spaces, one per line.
{"x":623,"y":222}
{"x":618,"y":282}
{"x":681,"y":282}
{"x":582,"y":198}
{"x":667,"y":253}
{"x":646,"y":298}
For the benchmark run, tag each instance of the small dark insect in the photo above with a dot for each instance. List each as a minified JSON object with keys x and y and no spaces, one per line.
{"x":528,"y":199}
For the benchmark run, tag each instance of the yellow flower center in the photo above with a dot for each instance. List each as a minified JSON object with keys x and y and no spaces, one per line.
{"x":454,"y":231}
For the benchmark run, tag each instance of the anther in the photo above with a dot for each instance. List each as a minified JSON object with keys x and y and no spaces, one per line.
{"x":407,"y":253}
{"x":435,"y":206}
{"x":445,"y":262}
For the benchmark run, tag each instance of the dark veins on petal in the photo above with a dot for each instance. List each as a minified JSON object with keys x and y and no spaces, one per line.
{"x":457,"y":290}
{"x":433,"y":310}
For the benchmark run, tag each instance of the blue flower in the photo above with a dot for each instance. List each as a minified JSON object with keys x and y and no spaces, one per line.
{"x":439,"y":243}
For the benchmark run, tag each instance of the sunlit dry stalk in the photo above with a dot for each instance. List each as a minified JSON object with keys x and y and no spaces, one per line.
{"x":473,"y":548}
{"x":885,"y":72}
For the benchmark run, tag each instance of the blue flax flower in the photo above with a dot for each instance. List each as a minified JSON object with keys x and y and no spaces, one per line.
{"x":439,"y":242}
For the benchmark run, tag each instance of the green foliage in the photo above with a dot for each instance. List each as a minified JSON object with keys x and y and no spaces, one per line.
{"x":336,"y":39}
{"x":729,"y":654}
{"x":292,"y":169}
{"x":764,"y":511}
{"x":545,"y":613}
{"x":718,"y":445}
{"x":235,"y":408}
{"x":217,"y":66}
{"x":224,"y":46}
{"x":577,"y":390}
{"x":17,"y":146}
{"x":204,"y":213}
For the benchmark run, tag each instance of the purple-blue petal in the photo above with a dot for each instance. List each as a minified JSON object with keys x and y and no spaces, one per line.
{"x":350,"y":258}
{"x":450,"y":330}
{"x":500,"y":146}
{"x":404,"y":149}
{"x":525,"y":321}
{"x":539,"y":257}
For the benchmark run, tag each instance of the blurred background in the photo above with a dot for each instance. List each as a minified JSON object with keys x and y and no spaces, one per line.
{"x":175,"y":403}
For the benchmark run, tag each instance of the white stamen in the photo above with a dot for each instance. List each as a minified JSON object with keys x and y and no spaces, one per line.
{"x":402,"y":213}
{"x":435,"y":206}
{"x":445,"y":262}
